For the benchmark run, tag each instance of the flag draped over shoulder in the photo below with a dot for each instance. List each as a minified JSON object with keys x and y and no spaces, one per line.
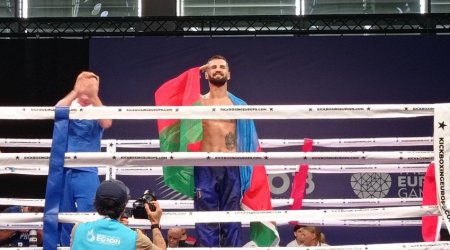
{"x":177,"y":136}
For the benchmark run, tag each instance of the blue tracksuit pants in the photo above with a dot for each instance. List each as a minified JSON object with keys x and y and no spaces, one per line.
{"x":218,"y":189}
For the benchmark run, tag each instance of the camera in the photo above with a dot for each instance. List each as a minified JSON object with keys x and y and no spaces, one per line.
{"x":138,"y":210}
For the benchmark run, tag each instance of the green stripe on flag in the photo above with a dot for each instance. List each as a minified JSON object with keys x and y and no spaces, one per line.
{"x":175,"y":138}
{"x":169,"y":138}
{"x":262,"y":235}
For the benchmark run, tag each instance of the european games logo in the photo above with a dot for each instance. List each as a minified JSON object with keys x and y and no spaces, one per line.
{"x":102,"y":238}
{"x":371,"y":185}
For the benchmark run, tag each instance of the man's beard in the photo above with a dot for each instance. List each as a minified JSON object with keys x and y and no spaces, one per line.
{"x":218,"y":82}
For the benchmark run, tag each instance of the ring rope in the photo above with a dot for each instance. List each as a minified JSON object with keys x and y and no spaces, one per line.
{"x":226,"y":112}
{"x":139,"y":223}
{"x":392,"y":246}
{"x":187,"y":218}
{"x":265,"y":143}
{"x":189,"y":204}
{"x":289,"y":215}
{"x":42,"y":169}
{"x":143,"y":224}
{"x":79,"y":159}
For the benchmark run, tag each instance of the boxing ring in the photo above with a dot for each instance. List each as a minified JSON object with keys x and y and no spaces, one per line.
{"x":377,"y":212}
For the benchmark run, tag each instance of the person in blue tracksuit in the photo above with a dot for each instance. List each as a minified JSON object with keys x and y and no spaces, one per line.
{"x":83,"y":136}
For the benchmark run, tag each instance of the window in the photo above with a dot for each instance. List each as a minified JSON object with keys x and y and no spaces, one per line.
{"x":300,"y":7}
{"x":237,"y":7}
{"x":7,"y":8}
{"x":82,"y":8}
{"x":362,"y":6}
{"x":440,"y":6}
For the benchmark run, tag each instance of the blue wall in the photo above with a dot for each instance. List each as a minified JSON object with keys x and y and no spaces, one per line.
{"x":292,"y":70}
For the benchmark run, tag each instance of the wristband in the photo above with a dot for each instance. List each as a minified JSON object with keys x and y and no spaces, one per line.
{"x":153,"y":226}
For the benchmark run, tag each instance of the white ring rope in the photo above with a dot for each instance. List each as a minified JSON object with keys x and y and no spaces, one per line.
{"x":265,"y":143}
{"x":42,"y":169}
{"x":218,"y":158}
{"x":139,"y":223}
{"x":187,"y":218}
{"x":226,"y":112}
{"x":393,"y":246}
{"x":351,"y":142}
{"x":189,"y":204}
{"x":354,"y":168}
{"x":142,"y":223}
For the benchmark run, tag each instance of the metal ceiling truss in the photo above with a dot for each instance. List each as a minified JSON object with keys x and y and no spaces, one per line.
{"x":225,"y":25}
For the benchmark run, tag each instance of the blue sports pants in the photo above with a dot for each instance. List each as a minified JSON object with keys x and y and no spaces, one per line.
{"x":79,"y":193}
{"x":218,"y":189}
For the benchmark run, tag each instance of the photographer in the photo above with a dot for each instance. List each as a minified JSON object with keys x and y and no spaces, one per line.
{"x":108,"y":233}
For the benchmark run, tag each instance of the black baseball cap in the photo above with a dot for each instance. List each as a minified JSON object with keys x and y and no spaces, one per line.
{"x":114,"y":190}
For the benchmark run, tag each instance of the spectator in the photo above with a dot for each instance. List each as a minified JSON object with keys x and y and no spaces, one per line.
{"x":19,"y":238}
{"x":187,"y":240}
{"x":174,"y":236}
{"x":312,"y":236}
{"x":177,"y":237}
{"x":298,"y":240}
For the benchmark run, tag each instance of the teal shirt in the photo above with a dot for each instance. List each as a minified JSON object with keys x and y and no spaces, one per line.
{"x":103,"y":234}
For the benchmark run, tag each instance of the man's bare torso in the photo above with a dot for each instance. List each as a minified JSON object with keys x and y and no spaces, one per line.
{"x":218,"y":135}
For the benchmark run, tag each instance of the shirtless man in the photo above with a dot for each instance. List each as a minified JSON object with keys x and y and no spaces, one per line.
{"x":218,"y":188}
{"x":218,"y":135}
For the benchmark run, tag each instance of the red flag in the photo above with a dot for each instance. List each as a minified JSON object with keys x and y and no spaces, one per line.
{"x":430,"y":223}
{"x":299,"y":183}
{"x":298,"y":187}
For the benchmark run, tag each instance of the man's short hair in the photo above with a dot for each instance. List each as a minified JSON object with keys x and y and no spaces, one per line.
{"x":214,"y":57}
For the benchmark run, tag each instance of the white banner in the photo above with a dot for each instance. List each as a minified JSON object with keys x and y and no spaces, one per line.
{"x":442,"y":158}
